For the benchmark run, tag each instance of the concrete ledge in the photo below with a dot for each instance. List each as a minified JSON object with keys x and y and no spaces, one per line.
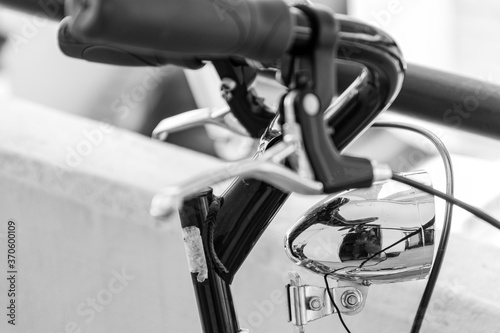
{"x":90,"y":259}
{"x":89,"y":162}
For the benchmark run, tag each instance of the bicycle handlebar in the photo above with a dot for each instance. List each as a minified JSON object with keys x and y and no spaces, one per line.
{"x":116,"y":55}
{"x":257,"y":29}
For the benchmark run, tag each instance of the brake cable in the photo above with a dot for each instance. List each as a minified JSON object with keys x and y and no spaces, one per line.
{"x":438,"y":261}
{"x":443,"y":151}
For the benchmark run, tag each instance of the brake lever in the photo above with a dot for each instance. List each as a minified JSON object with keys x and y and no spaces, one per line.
{"x":266,"y":168}
{"x":221,"y":117}
{"x":310,"y":74}
{"x":292,"y":135}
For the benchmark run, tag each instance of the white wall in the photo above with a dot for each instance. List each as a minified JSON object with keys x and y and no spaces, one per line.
{"x":456,"y":35}
{"x":423,"y":28}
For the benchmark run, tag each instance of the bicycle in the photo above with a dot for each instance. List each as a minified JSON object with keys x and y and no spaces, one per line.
{"x":297,"y":151}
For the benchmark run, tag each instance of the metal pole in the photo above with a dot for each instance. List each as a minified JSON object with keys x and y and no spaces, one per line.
{"x":213,"y":294}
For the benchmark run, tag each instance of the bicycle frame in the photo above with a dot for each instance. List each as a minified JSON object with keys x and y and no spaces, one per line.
{"x":250,"y":205}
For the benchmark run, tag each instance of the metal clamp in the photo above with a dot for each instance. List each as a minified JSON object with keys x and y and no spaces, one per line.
{"x":309,"y":303}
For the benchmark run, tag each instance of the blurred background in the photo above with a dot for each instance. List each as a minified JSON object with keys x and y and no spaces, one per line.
{"x":460,"y":36}
{"x":453,"y":35}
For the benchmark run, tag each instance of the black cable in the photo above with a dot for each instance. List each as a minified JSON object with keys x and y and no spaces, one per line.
{"x":443,"y":242}
{"x":471,"y":209}
{"x":417,"y":323}
{"x":335,"y":305}
{"x":214,"y":260}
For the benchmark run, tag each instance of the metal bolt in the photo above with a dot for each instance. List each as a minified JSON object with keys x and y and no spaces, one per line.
{"x":350,"y":299}
{"x":315,"y":304}
{"x":311,"y":104}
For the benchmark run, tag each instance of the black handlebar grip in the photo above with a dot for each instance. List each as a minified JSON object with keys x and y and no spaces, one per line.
{"x":52,"y":9}
{"x":257,"y":29}
{"x":116,"y":55}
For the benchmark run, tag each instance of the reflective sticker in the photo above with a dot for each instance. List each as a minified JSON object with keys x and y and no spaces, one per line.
{"x":195,"y":253}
